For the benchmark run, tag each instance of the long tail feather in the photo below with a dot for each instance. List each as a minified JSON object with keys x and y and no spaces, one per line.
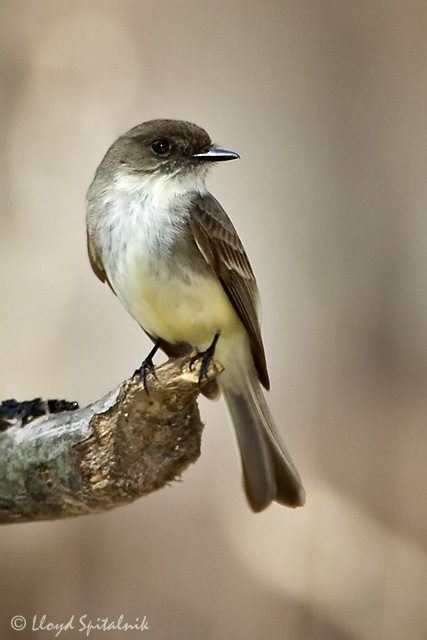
{"x":268,"y":471}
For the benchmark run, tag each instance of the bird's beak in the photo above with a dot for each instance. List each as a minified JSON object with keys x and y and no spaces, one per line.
{"x":215,"y":155}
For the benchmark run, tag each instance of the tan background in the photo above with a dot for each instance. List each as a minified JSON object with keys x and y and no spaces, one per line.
{"x":325,"y":101}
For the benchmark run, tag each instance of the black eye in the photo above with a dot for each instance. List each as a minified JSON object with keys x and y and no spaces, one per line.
{"x":160,"y":146}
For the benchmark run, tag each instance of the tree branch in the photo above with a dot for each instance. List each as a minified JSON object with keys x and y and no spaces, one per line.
{"x":110,"y":453}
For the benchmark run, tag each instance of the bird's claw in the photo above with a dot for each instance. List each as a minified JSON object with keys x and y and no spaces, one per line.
{"x":147,"y":367}
{"x":206,"y":358}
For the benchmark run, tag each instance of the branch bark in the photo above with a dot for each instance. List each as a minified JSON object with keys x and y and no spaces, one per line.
{"x":110,"y":453}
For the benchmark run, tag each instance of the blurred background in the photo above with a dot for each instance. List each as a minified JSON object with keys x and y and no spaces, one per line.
{"x":326,"y":102}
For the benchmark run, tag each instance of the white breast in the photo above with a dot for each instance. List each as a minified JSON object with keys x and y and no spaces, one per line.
{"x":170,"y":298}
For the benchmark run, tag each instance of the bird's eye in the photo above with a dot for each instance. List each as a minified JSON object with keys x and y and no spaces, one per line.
{"x":160,"y":146}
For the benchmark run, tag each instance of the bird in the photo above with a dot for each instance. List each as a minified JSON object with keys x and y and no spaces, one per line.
{"x":172,"y":256}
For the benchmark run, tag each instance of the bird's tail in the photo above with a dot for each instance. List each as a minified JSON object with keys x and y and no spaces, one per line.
{"x":268,"y":471}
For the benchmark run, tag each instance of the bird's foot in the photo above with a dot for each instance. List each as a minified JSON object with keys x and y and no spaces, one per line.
{"x":147,"y":367}
{"x":206,"y":359}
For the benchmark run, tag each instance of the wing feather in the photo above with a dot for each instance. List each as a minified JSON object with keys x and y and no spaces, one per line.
{"x":96,"y":263}
{"x":220,"y":244}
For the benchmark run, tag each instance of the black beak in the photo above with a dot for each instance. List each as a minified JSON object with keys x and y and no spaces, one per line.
{"x":215,"y":155}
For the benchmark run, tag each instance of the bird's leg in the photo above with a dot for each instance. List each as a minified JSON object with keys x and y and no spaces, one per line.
{"x":147,"y":365}
{"x":206,"y":358}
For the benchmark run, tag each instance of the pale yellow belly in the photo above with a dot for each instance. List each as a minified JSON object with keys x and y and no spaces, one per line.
{"x":191,"y":309}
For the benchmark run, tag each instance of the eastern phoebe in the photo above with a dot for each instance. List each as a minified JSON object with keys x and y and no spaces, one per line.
{"x":172,"y":256}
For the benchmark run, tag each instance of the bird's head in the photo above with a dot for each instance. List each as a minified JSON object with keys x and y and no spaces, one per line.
{"x":169,"y":149}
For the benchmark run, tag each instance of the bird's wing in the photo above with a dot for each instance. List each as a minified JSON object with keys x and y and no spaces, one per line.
{"x":219,"y":243}
{"x":96,"y":262}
